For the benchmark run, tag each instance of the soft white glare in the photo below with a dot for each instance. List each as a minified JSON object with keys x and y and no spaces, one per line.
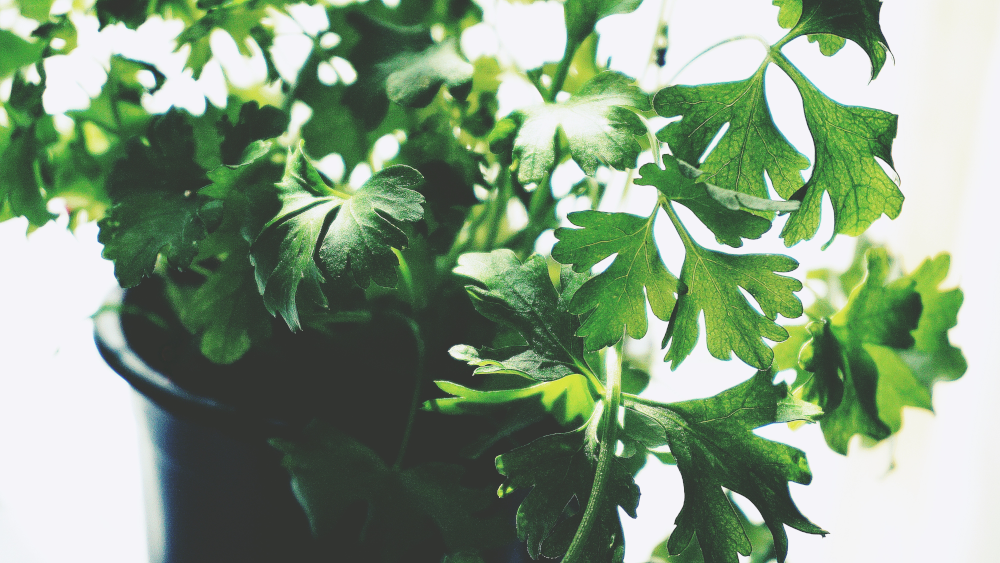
{"x":333,"y":166}
{"x":240,"y":71}
{"x":311,"y":18}
{"x":344,"y":70}
{"x":530,"y":34}
{"x":326,"y":74}
{"x":361,"y":173}
{"x":515,"y":93}
{"x":479,"y":40}
{"x":386,"y":147}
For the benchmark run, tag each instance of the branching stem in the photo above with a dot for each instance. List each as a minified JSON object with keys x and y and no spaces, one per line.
{"x":609,"y":441}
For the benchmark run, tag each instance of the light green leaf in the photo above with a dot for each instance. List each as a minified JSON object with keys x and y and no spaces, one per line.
{"x":557,"y":468}
{"x":712,"y":205}
{"x":20,"y":187}
{"x":568,"y":399}
{"x":713,"y":281}
{"x":838,"y":370}
{"x":848,"y":139}
{"x":17,"y":52}
{"x":37,"y":10}
{"x":599,"y":123}
{"x":715,"y":446}
{"x":406,"y":509}
{"x":614,"y":301}
{"x":875,"y":357}
{"x":751,"y":147}
{"x":583,"y":15}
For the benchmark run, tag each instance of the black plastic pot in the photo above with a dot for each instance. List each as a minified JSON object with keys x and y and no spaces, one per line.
{"x":215,"y":490}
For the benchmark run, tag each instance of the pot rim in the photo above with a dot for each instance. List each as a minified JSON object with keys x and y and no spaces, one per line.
{"x":109,"y":335}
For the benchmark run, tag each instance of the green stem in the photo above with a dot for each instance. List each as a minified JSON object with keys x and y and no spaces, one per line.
{"x":734,"y":39}
{"x":417,"y":384}
{"x":562,"y":71}
{"x":799,"y":79}
{"x":682,"y":231}
{"x":609,"y":441}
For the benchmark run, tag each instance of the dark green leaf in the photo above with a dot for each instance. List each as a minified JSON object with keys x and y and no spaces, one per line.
{"x":146,"y":224}
{"x":559,"y":468}
{"x":713,"y":281}
{"x":857,"y":20}
{"x":848,"y":140}
{"x":599,"y":123}
{"x":715,"y":446}
{"x":728,"y":221}
{"x":615,"y":300}
{"x":255,"y":123}
{"x":788,"y":15}
{"x":521,"y":296}
{"x":132,"y":13}
{"x":758,"y":534}
{"x":401,"y":64}
{"x":319,"y":231}
{"x":751,"y":147}
{"x":406,"y":509}
{"x":227,"y":313}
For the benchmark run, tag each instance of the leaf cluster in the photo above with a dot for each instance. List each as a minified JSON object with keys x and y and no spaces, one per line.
{"x":259,"y":226}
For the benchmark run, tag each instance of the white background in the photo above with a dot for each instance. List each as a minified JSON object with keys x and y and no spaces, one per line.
{"x":69,"y":485}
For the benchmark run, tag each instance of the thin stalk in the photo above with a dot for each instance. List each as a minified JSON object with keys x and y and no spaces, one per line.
{"x":562,"y":71}
{"x":609,"y":434}
{"x":417,"y":384}
{"x":682,"y":231}
{"x":734,"y":39}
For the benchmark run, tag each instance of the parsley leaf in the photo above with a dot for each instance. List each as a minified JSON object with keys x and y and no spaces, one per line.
{"x":406,"y":509}
{"x":226,"y":312}
{"x":848,"y":139}
{"x":715,"y":446}
{"x":583,"y":15}
{"x":751,"y":147}
{"x":719,"y":209}
{"x":883,"y":351}
{"x":559,"y":468}
{"x":318,"y":227}
{"x":615,"y":300}
{"x":788,"y":15}
{"x":17,"y":52}
{"x":157,"y":210}
{"x":599,"y":123}
{"x":521,"y":296}
{"x":857,"y":20}
{"x":146,"y":224}
{"x":401,"y":64}
{"x":713,"y":281}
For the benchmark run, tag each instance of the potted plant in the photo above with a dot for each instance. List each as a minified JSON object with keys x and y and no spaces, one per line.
{"x":389,"y":342}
